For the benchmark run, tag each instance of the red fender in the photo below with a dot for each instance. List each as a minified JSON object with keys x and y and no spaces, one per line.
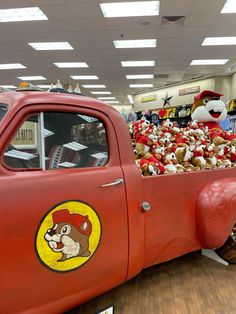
{"x":216,"y":212}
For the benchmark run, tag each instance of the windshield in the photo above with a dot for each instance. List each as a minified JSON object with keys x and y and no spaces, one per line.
{"x":3,"y":110}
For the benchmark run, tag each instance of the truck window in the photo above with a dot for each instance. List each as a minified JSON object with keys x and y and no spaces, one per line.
{"x":3,"y":110}
{"x":58,"y":140}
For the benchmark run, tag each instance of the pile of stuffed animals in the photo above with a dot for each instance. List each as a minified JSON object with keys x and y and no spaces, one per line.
{"x":202,"y":145}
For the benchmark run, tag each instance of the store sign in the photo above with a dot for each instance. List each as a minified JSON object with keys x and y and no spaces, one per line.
{"x":189,"y":90}
{"x":148,"y":98}
{"x":26,"y":136}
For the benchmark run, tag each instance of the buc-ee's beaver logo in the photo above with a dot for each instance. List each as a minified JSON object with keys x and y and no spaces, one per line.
{"x":68,"y":236}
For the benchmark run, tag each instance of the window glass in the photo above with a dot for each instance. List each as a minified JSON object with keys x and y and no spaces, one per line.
{"x":65,"y":140}
{"x":3,"y":110}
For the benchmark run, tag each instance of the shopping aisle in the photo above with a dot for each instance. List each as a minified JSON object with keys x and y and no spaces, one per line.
{"x":191,"y":284}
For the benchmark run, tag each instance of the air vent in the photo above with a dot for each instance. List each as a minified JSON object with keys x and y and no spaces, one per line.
{"x":179,"y":20}
{"x":160,"y":76}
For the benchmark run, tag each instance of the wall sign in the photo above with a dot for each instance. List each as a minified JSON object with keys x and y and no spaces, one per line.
{"x":189,"y":90}
{"x":148,"y":98}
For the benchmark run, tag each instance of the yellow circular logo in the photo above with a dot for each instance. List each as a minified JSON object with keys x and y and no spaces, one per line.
{"x":68,"y":236}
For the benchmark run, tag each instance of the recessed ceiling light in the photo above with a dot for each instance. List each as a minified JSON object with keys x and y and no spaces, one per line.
{"x":209,"y":62}
{"x":134,"y":8}
{"x":137,"y":63}
{"x":22,"y":14}
{"x":7,"y":86}
{"x":71,"y":64}
{"x":31,"y":78}
{"x":84,"y":77}
{"x":106,"y":98}
{"x":113,"y":102}
{"x":229,"y":7}
{"x":140,"y":85}
{"x":94,"y":86}
{"x":139,"y":43}
{"x":10,"y":66}
{"x":219,"y":41}
{"x":139,"y":76}
{"x":101,"y":93}
{"x":63,"y":45}
{"x":130,"y":99}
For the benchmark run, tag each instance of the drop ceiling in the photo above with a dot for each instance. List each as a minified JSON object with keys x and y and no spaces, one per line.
{"x":82,"y":24}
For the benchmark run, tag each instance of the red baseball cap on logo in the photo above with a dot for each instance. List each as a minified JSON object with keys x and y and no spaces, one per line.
{"x":207,"y":93}
{"x":82,"y":223}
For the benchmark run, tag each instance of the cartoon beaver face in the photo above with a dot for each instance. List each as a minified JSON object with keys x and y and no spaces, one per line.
{"x":71,"y":237}
{"x":208,"y":107}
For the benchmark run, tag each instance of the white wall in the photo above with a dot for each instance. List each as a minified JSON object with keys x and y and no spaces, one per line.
{"x":233,"y":86}
{"x":176,"y":100}
{"x":223,"y":86}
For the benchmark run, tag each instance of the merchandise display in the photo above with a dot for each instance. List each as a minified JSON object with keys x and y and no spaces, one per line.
{"x":202,"y":145}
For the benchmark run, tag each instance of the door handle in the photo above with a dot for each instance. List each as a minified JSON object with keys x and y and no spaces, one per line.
{"x":117,"y":181}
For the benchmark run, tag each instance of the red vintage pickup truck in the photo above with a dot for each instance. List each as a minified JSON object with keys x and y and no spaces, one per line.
{"x":77,"y":217}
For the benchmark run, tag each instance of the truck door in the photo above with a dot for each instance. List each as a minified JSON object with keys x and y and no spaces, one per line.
{"x":62,"y":207}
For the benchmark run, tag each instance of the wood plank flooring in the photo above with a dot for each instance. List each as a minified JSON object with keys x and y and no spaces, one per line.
{"x":191,"y":284}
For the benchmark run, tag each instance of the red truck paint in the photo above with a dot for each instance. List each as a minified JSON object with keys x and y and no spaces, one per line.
{"x":189,"y":211}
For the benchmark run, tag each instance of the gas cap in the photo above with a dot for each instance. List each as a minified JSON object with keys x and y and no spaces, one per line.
{"x":145,"y":206}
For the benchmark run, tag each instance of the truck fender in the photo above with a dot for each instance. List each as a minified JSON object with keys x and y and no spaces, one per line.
{"x":216,"y":212}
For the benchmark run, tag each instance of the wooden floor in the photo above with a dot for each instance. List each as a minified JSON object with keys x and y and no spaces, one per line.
{"x":191,"y":284}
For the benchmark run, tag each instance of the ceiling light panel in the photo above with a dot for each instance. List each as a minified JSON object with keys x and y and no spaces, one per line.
{"x":31,"y":78}
{"x":84,"y":77}
{"x":138,"y":63}
{"x":139,"y":43}
{"x":8,"y":86}
{"x":101,"y":93}
{"x":94,"y":86}
{"x":219,"y":41}
{"x":71,"y":64}
{"x":140,"y":85}
{"x":10,"y":66}
{"x":131,"y":101}
{"x":63,"y":45}
{"x":22,"y":14}
{"x":209,"y":62}
{"x":139,"y":76}
{"x":229,"y":7}
{"x":113,"y":102}
{"x":134,"y":8}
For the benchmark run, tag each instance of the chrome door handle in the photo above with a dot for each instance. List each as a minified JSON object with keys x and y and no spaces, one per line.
{"x":117,"y":181}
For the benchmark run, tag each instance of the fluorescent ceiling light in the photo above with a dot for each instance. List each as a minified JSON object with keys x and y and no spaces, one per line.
{"x":137,"y":63}
{"x":130,"y":99}
{"x":7,"y":86}
{"x":140,"y":85}
{"x":84,"y":77}
{"x":45,"y":86}
{"x":123,"y":9}
{"x":139,"y":43}
{"x":22,"y":14}
{"x":71,"y":64}
{"x":229,"y":7}
{"x":140,"y":76}
{"x":94,"y":86}
{"x":63,"y":45}
{"x":113,"y":102}
{"x":209,"y":62}
{"x":106,"y":98}
{"x":31,"y":78}
{"x":101,"y":93}
{"x":10,"y":66}
{"x":219,"y":41}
